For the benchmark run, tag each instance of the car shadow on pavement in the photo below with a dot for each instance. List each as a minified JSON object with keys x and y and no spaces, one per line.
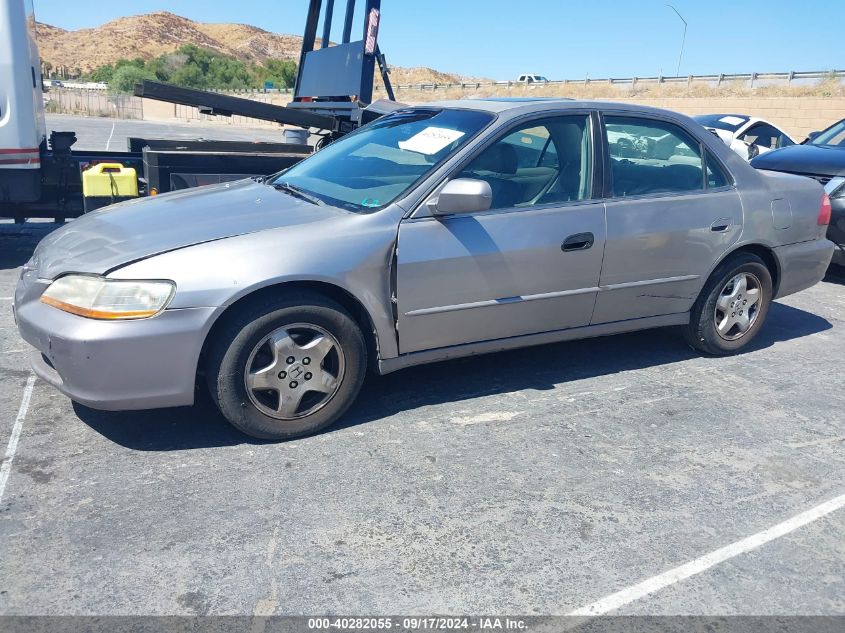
{"x":835,"y":275}
{"x":540,"y":368}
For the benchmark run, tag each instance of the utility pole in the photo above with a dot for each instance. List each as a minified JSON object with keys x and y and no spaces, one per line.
{"x":683,"y":39}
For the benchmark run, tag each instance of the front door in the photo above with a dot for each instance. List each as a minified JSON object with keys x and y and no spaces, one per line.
{"x":671,"y":214}
{"x":530,"y":264}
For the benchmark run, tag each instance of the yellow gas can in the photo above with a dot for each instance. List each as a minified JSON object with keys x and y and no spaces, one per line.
{"x":107,"y":183}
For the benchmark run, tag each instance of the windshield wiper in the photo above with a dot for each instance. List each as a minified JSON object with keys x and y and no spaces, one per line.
{"x":298,"y":193}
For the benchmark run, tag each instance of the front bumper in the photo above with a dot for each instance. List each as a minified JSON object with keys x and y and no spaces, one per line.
{"x":114,"y":365}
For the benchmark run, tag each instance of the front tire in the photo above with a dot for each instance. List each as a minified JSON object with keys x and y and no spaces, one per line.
{"x":281,"y":368}
{"x":732,"y":306}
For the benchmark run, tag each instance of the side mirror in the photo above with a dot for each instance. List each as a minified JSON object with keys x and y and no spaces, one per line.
{"x":812,"y":135}
{"x":462,"y":195}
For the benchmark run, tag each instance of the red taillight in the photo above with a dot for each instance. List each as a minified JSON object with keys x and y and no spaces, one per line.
{"x":824,"y":211}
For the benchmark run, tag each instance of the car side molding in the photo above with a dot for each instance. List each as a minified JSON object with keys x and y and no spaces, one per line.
{"x":389,"y":365}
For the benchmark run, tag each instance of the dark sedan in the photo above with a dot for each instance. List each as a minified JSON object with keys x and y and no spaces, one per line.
{"x":821,"y":157}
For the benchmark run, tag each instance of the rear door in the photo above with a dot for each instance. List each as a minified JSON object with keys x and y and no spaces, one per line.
{"x":529,"y":264}
{"x":672,"y":211}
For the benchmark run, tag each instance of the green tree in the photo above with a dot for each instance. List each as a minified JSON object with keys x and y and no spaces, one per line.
{"x":190,"y":76}
{"x":226,"y":72}
{"x":160,"y":68}
{"x":194,"y":67}
{"x":125,"y":78}
{"x":282,"y":72}
{"x":103,"y":73}
{"x":138,"y":62}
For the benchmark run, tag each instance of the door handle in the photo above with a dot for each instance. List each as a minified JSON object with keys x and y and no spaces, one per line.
{"x":578,"y":242}
{"x":721,"y":225}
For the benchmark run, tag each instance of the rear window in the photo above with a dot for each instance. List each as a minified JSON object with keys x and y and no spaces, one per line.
{"x":729,"y":122}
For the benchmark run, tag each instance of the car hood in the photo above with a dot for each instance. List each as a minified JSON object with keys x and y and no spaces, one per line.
{"x":101,"y":241}
{"x":804,"y":159}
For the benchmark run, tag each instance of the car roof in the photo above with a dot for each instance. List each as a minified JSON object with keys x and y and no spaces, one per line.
{"x":528,"y":105}
{"x":709,"y":114}
{"x":523,"y":99}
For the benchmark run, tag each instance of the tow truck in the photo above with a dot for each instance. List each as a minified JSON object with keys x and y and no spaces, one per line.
{"x":41,"y":176}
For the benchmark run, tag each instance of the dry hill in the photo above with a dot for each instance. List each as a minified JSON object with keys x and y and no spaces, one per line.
{"x":154,"y":34}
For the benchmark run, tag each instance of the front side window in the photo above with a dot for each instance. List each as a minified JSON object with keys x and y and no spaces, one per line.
{"x":542,"y":162}
{"x":648,"y":156}
{"x":376,"y":165}
{"x":834,"y":136}
{"x":765,"y":135}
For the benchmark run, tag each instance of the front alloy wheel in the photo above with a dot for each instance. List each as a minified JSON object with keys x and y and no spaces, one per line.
{"x":294,"y":371}
{"x":285,"y":366}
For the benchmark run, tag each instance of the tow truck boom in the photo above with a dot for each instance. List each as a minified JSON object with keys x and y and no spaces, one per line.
{"x":41,"y":178}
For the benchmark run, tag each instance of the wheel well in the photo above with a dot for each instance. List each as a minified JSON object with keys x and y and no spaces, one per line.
{"x":354,"y":307}
{"x":768,"y":257}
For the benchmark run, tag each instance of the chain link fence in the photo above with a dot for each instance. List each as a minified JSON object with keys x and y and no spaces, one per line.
{"x":94,"y":103}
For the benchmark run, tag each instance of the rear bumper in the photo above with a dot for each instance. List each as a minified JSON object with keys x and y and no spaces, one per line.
{"x":143,"y":364}
{"x":802,"y":265}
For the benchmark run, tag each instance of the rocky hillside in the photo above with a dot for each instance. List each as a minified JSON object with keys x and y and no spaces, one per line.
{"x":154,"y":34}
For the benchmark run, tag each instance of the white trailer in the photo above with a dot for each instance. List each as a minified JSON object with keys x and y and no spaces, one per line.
{"x":23,"y":132}
{"x":41,"y":175}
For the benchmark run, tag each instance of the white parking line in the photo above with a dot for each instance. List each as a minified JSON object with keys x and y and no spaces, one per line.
{"x":108,"y":142}
{"x":661,"y":581}
{"x":12,"y":448}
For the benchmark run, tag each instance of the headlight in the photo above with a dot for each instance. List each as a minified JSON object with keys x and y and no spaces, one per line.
{"x":110,"y":299}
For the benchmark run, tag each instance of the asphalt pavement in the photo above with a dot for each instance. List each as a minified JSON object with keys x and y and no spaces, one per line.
{"x":101,"y":134}
{"x":533,"y":482}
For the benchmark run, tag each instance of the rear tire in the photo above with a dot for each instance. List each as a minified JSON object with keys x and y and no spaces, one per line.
{"x":284,"y":367}
{"x":732,"y":306}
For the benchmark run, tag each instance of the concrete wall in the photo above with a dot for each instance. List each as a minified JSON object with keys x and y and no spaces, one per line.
{"x":796,"y":115}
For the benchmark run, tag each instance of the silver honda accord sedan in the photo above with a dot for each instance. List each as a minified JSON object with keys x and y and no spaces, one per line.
{"x":438,"y":231}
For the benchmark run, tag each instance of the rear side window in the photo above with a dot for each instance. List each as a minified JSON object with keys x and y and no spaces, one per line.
{"x":648,"y":156}
{"x":716,"y":176}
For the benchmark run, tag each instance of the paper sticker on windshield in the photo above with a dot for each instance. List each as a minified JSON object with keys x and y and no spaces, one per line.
{"x":732,"y":120}
{"x":431,"y":140}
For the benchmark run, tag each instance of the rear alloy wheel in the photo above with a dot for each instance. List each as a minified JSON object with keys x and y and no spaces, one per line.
{"x":283,"y":367}
{"x":738,"y":306}
{"x":732,"y":306}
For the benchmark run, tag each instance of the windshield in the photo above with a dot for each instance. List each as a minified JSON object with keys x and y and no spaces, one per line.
{"x":729,"y":122}
{"x":834,"y":136}
{"x":374,"y":166}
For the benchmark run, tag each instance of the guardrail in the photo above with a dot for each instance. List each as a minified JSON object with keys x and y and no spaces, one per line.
{"x":718,"y":80}
{"x":788,"y":77}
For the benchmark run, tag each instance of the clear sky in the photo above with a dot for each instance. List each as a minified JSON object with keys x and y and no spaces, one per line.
{"x":561,"y":39}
